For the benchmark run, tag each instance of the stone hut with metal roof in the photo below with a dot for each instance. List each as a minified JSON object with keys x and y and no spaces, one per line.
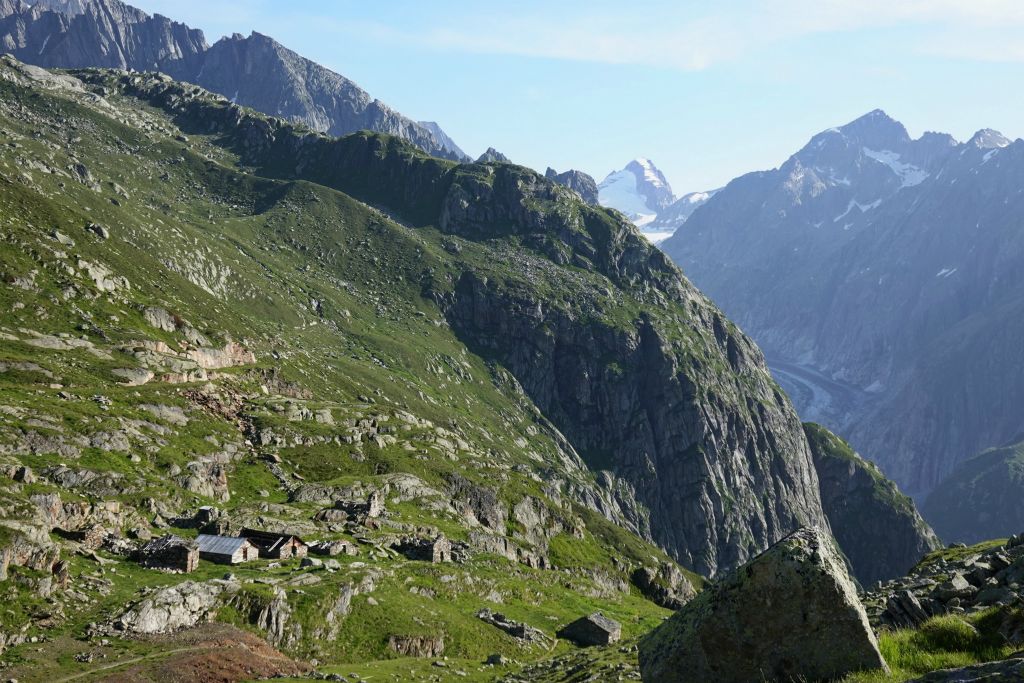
{"x":277,"y":546}
{"x":226,"y":549}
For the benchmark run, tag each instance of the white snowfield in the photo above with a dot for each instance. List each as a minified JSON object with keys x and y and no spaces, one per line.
{"x":619,"y":191}
{"x":909,"y":174}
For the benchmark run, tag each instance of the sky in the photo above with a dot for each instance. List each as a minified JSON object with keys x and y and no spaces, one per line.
{"x":707,"y":90}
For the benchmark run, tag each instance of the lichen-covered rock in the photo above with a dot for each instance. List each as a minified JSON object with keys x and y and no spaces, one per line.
{"x":792,"y":613}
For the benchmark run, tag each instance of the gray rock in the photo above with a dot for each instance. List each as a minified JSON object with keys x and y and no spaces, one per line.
{"x":791,"y":613}
{"x":903,"y":609}
{"x":170,"y":609}
{"x":417,"y":646}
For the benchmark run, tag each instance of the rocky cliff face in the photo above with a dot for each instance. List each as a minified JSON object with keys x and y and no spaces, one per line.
{"x":878,"y":528}
{"x":850,"y":259}
{"x":103,"y":33}
{"x":256,"y":71}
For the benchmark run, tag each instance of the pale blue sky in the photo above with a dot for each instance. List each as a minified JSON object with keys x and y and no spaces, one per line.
{"x":708,"y":90}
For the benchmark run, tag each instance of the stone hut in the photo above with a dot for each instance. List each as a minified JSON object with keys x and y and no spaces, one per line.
{"x":226,"y":549}
{"x":595,"y":629}
{"x":435,"y":550}
{"x":276,"y":546}
{"x":334,"y":548}
{"x":91,"y":536}
{"x":375,"y":504}
{"x":171,"y":553}
{"x":441,"y":550}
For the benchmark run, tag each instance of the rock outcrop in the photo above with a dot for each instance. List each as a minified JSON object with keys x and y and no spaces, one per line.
{"x":582,"y":183}
{"x":790,"y":614}
{"x":173,"y":608}
{"x":665,"y":586}
{"x":877,"y":527}
{"x":492,"y":156}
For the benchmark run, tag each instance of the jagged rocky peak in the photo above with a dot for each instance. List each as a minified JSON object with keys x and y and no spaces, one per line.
{"x":579,"y":181}
{"x":834,"y":263}
{"x":986,"y":138}
{"x":105,"y":33}
{"x":877,"y":129}
{"x":493,"y":156}
{"x":444,"y":140}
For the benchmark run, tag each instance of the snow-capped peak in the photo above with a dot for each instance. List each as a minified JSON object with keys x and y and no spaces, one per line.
{"x":639,"y":190}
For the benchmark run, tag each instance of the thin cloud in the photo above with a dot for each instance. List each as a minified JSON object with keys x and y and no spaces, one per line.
{"x":673,"y":38}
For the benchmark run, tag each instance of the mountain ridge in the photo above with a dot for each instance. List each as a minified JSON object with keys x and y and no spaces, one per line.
{"x":873,"y":293}
{"x":256,"y":70}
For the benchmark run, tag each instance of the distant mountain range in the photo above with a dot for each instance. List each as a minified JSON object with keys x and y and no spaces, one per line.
{"x":254,"y":71}
{"x":643,"y":194}
{"x":884,"y":276}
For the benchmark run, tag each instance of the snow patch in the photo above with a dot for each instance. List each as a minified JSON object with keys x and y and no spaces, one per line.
{"x":864,"y":208}
{"x":909,"y":174}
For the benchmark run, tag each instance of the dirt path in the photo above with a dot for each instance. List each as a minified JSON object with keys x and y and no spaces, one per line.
{"x":134,"y":660}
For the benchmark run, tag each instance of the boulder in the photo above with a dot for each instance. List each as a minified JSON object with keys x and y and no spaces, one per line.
{"x":792,"y":613}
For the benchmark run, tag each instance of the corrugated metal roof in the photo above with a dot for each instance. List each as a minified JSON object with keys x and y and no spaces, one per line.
{"x":220,"y":545}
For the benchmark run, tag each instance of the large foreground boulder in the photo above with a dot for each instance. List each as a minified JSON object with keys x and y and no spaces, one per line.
{"x":792,"y":613}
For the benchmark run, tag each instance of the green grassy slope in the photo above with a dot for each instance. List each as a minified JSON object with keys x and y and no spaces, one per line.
{"x":328,"y":294}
